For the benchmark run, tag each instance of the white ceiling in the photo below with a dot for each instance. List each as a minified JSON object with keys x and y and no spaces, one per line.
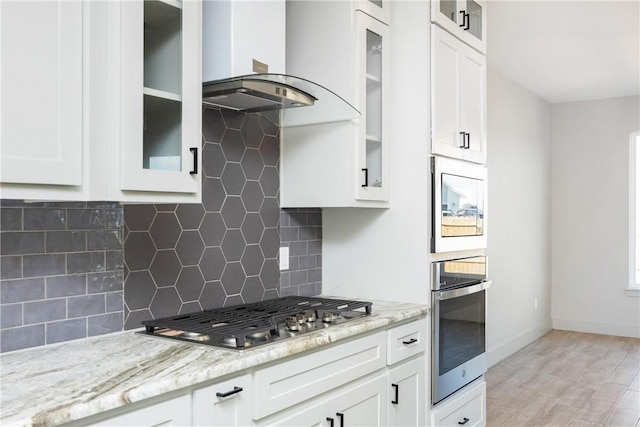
{"x":567,"y":50}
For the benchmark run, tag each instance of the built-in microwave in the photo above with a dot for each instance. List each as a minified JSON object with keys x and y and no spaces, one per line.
{"x":459,"y":205}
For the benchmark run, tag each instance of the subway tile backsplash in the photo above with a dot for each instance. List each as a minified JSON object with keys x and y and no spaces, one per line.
{"x":60,"y":272}
{"x":71,"y":270}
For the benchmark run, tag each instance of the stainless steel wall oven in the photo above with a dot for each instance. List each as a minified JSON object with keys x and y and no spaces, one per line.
{"x":459,"y":324}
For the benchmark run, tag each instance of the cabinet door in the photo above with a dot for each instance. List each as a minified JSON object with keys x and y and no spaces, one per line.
{"x":473,"y":121}
{"x":364,"y":404}
{"x":227,"y":403}
{"x":41,"y":86}
{"x":379,"y":9}
{"x":174,"y":412}
{"x":466,"y":19}
{"x":407,"y":393}
{"x":372,"y":42}
{"x":458,"y":99}
{"x":161,"y":92}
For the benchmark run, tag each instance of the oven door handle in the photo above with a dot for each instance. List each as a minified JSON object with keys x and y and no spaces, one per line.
{"x":468,"y":290}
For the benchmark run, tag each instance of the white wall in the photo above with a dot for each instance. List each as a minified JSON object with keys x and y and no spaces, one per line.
{"x":519,"y":149}
{"x":590,"y":196}
{"x":383,"y":253}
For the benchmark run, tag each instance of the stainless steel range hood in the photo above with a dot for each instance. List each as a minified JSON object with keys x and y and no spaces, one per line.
{"x":301,"y":101}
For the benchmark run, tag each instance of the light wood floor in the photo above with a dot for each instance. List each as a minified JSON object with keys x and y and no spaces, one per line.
{"x":567,"y":379}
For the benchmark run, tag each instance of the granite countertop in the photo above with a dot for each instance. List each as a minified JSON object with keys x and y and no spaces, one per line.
{"x":65,"y":382}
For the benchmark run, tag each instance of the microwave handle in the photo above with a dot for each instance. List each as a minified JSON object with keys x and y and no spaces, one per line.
{"x":468,"y":290}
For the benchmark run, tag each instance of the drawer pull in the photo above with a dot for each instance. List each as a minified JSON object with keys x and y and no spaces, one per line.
{"x":341,"y":416}
{"x":411,"y":341}
{"x":330,"y":421}
{"x":395,"y":399}
{"x":464,"y":421}
{"x":194,"y":150}
{"x":229,"y":393}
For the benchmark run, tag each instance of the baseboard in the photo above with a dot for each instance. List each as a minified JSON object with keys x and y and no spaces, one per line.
{"x":506,"y":349}
{"x":603,"y":328}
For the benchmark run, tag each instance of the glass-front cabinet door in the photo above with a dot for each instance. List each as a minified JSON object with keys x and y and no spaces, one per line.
{"x":466,"y":19}
{"x":161,"y":84}
{"x":373,"y":141}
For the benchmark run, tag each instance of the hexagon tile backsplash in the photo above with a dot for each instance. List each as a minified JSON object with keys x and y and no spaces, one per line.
{"x":188,"y":257}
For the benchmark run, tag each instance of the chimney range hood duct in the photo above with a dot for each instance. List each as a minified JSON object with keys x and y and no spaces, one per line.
{"x":300,"y":101}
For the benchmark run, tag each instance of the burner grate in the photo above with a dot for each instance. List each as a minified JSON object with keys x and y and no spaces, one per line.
{"x":241,"y":321}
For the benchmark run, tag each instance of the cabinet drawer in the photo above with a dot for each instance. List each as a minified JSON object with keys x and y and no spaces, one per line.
{"x":469,"y":405}
{"x":305,"y":377}
{"x":406,"y":340}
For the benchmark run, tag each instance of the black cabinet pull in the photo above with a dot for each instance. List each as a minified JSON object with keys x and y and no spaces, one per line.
{"x":464,"y":142}
{"x":366,"y":177}
{"x":464,"y":421}
{"x":341,"y":416}
{"x":411,"y":341}
{"x":466,"y":19}
{"x":330,"y":421}
{"x":194,"y":150}
{"x":395,"y":399}
{"x":468,"y":139}
{"x":229,"y":393}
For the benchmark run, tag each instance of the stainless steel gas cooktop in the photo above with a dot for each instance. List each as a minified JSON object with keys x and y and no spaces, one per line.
{"x":248,"y":325}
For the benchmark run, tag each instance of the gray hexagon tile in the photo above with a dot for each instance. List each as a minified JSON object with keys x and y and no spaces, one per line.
{"x":252,"y":163}
{"x":213,"y":194}
{"x":213,"y":295}
{"x":138,"y":250}
{"x":166,"y":302}
{"x":190,"y":215}
{"x":233,"y":179}
{"x":165,"y":268}
{"x":270,"y":242}
{"x":270,"y":274}
{"x":233,"y":278}
{"x":252,"y":260}
{"x":252,"y":290}
{"x":252,"y":228}
{"x":232,"y":145}
{"x":190,"y":247}
{"x":139,"y":217}
{"x":233,"y":212}
{"x":212,"y":229}
{"x":190,"y":284}
{"x":213,"y":126}
{"x":252,"y":196}
{"x":270,"y":181}
{"x":190,"y":307}
{"x":252,"y":131}
{"x":270,"y":150}
{"x":269,"y":122}
{"x":212,"y":264}
{"x":213,"y":160}
{"x":165,"y":230}
{"x":232,"y":119}
{"x":139,"y":290}
{"x":270,"y":212}
{"x":233,"y":245}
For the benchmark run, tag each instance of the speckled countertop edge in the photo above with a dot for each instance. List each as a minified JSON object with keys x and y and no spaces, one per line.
{"x":66,"y":382}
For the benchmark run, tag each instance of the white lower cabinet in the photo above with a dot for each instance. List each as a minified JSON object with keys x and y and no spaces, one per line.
{"x":173,"y":412}
{"x":407,"y":393}
{"x":227,"y":403}
{"x":466,"y":408}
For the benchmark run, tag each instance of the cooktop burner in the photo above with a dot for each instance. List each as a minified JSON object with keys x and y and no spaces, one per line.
{"x":248,"y":325}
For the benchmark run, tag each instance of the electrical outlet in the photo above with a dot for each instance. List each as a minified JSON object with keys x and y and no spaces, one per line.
{"x":284,"y":258}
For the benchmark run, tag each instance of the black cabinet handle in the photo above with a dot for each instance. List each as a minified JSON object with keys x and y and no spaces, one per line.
{"x":464,"y":142}
{"x":411,"y":341}
{"x":341,"y":416}
{"x":466,"y":20}
{"x":194,"y":150}
{"x":366,"y":177}
{"x":395,"y":399}
{"x":229,"y":393}
{"x":330,"y":421}
{"x":464,"y":421}
{"x":468,"y":139}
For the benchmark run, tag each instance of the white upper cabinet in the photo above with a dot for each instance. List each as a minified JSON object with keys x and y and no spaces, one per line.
{"x":101,"y":100}
{"x":458,"y":99}
{"x":379,"y":9}
{"x":466,"y":19}
{"x":242,"y":37}
{"x":160,"y":109}
{"x":41,"y":86}
{"x":343,"y":163}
